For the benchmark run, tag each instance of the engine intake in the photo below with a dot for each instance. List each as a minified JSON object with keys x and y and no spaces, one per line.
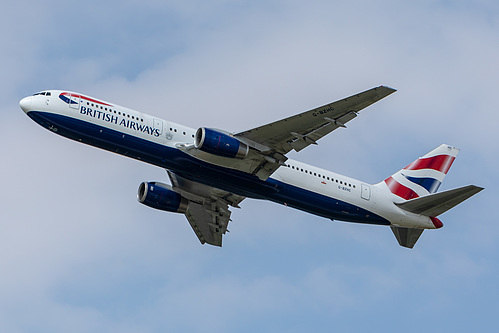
{"x":218,"y":143}
{"x":162,"y":197}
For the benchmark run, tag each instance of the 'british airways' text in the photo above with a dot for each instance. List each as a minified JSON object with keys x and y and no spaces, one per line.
{"x":110,"y":118}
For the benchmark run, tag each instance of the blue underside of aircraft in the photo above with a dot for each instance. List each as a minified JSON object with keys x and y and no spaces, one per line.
{"x":199,"y":171}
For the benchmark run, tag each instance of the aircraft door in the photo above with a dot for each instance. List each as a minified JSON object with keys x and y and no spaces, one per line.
{"x":365,"y":192}
{"x":158,"y":124}
{"x":74,"y":102}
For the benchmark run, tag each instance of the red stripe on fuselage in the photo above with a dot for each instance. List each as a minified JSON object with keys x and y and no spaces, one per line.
{"x":399,"y":189}
{"x":86,"y":98}
{"x":440,"y":163}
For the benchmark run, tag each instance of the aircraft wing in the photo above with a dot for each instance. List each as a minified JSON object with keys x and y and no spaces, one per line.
{"x":304,"y":129}
{"x":270,"y":143}
{"x":208,"y":210}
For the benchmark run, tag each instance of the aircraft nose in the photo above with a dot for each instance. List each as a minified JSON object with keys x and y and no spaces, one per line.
{"x":25,"y":104}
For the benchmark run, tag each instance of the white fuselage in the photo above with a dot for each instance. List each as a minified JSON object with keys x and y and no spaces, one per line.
{"x":154,"y":140}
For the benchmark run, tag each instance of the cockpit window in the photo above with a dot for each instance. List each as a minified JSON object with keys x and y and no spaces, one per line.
{"x":43,"y":93}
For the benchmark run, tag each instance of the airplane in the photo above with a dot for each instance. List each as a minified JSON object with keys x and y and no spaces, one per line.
{"x":211,"y":169}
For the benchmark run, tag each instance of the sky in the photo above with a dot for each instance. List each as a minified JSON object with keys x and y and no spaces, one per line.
{"x":78,"y":253}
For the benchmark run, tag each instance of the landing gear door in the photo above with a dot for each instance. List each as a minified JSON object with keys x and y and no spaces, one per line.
{"x":365,"y":192}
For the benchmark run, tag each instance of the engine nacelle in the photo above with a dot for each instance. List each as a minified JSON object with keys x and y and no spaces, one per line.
{"x":162,"y":197}
{"x":218,"y":143}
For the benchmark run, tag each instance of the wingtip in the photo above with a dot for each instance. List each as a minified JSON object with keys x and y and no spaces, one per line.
{"x":388,"y":88}
{"x":479,"y":188}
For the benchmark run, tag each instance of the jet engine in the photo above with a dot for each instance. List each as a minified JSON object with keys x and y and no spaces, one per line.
{"x":218,"y":143}
{"x":162,"y":197}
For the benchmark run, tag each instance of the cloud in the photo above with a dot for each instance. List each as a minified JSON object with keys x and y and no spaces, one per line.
{"x":78,"y":251}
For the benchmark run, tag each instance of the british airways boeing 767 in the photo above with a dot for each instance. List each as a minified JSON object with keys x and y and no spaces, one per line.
{"x":212,"y":169}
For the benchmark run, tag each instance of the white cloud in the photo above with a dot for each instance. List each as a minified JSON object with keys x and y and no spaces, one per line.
{"x":78,"y":251}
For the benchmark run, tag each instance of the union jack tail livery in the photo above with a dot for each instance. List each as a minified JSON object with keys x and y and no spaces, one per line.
{"x":424,"y":175}
{"x":414,"y":191}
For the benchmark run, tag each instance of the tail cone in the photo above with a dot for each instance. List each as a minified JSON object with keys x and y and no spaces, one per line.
{"x":436,"y":222}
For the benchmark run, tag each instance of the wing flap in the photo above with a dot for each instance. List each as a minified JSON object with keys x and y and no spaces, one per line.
{"x":328,"y":127}
{"x":438,"y":203}
{"x":209,"y":222}
{"x":195,"y":214}
{"x":208,"y":209}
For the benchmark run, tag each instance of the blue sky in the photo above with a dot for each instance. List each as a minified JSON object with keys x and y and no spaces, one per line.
{"x":80,"y":254}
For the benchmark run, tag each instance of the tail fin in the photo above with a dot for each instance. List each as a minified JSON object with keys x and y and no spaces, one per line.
{"x":424,"y":175}
{"x":417,"y":184}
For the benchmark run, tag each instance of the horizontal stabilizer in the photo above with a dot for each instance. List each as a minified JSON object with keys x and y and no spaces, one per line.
{"x":407,"y":237}
{"x":438,"y":203}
